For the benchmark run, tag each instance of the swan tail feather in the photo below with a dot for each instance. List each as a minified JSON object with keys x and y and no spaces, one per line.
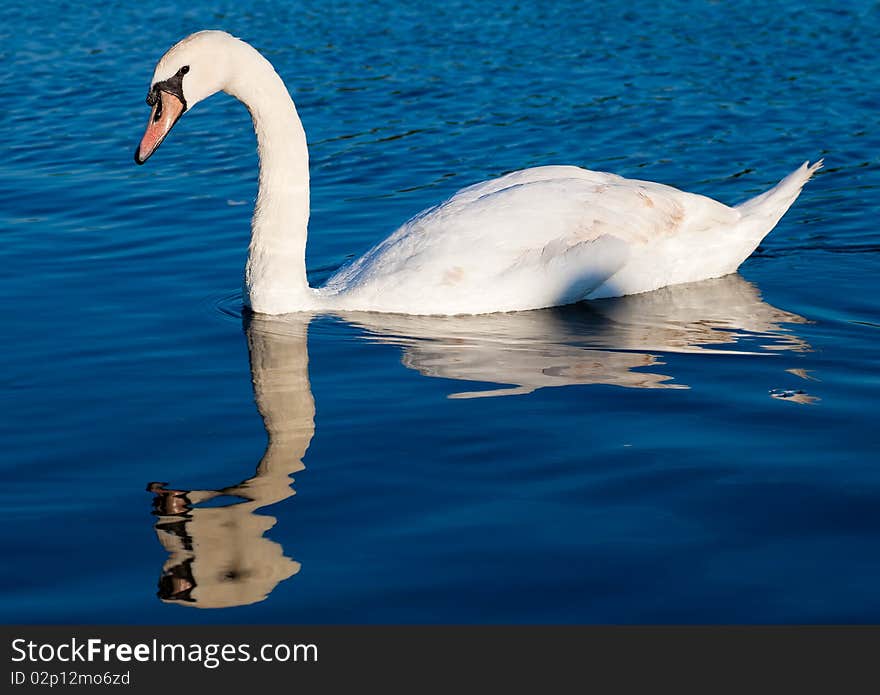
{"x":761,"y":213}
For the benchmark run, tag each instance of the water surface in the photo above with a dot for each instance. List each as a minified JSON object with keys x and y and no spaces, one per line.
{"x":705,"y":453}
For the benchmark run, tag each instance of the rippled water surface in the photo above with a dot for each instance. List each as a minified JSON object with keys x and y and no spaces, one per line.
{"x":706,"y":453}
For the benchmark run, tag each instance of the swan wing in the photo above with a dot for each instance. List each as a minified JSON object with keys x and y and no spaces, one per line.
{"x":534,"y":238}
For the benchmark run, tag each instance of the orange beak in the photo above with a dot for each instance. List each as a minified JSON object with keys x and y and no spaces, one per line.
{"x":167,"y":109}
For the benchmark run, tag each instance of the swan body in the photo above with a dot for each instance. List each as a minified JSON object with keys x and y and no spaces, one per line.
{"x":536,"y":238}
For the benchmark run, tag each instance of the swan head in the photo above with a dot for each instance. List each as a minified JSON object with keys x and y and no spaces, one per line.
{"x":190,"y":71}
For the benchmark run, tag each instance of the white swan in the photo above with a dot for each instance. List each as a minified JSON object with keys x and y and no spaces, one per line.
{"x":535,"y":238}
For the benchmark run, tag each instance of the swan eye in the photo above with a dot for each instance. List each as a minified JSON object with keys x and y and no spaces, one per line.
{"x":173,"y":85}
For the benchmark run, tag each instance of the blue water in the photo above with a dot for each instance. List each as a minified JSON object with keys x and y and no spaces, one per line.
{"x":700,"y":454}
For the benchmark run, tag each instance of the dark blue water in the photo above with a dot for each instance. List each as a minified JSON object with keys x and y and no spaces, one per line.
{"x":700,"y":454}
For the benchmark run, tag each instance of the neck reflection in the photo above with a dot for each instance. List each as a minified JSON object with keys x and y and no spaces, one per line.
{"x":218,"y":555}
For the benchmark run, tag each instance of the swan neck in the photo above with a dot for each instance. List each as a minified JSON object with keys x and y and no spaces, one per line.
{"x":275,"y":274}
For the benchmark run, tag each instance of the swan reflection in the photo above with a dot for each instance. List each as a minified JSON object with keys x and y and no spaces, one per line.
{"x":617,"y":342}
{"x":219,"y":555}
